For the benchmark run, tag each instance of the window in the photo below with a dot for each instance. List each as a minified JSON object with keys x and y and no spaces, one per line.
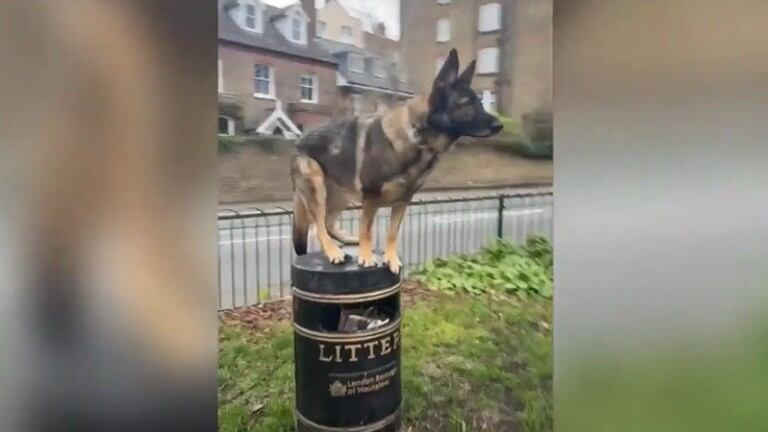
{"x":308,"y":86}
{"x":356,"y":63}
{"x":252,"y":17}
{"x":443,"y":30}
{"x":220,"y":85}
{"x":357,"y":104}
{"x":488,"y":60}
{"x":346,"y":34}
{"x":320,"y":28}
{"x":443,"y":2}
{"x":439,"y":64}
{"x":489,"y":17}
{"x":378,"y":68}
{"x":489,"y":101}
{"x":296,"y":27}
{"x":262,"y":81}
{"x":226,"y":126}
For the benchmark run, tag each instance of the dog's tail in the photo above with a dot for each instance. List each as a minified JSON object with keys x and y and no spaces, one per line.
{"x":300,"y":225}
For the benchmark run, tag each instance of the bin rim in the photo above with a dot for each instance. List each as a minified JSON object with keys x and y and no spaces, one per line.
{"x":346,"y":298}
{"x":313,"y":273}
{"x":348,"y":337}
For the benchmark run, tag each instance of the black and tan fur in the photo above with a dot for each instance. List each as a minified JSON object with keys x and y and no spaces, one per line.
{"x":380,"y":160}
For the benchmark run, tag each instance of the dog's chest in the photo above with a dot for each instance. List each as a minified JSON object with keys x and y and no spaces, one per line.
{"x":402,"y":186}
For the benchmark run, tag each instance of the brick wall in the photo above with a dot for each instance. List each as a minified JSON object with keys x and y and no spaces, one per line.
{"x":524,"y":81}
{"x":237,"y":71}
{"x":531,"y":66}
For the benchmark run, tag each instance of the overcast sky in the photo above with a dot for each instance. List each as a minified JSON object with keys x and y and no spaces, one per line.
{"x":383,"y":10}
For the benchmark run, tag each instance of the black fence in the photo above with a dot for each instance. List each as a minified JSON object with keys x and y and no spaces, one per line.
{"x":255,"y":249}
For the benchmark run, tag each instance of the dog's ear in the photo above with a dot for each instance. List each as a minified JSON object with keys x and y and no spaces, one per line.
{"x":469,"y":72}
{"x":449,"y":72}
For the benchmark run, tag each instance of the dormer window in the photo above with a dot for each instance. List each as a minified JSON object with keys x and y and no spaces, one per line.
{"x":356,"y":63}
{"x":293,"y":25}
{"x":296,"y":28}
{"x":251,"y":15}
{"x":346,"y":34}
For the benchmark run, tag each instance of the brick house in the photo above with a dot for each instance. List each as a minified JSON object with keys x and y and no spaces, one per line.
{"x":273,"y":77}
{"x":511,"y":40}
{"x":370,"y":72}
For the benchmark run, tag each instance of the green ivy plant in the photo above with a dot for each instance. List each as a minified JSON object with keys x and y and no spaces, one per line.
{"x":501,"y":267}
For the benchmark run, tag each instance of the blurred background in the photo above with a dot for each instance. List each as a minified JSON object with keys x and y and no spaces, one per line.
{"x":107,"y":131}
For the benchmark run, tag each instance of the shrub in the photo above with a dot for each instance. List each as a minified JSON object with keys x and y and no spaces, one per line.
{"x":501,"y":267}
{"x":266,"y":143}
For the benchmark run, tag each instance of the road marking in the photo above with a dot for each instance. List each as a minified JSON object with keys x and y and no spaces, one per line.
{"x":484,"y":215}
{"x":252,"y":239}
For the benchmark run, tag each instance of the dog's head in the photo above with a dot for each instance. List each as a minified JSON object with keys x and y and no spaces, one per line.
{"x":454,"y":108}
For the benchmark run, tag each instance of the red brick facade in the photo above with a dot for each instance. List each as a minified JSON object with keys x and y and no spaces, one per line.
{"x":237,"y":99}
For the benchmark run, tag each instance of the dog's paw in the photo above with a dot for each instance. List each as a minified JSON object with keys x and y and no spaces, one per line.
{"x":335,"y":255}
{"x":366,"y":260}
{"x":393,"y":263}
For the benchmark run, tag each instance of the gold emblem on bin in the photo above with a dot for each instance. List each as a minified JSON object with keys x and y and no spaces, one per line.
{"x":337,"y":389}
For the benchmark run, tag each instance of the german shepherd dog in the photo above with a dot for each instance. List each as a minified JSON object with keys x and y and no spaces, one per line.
{"x":381,"y":160}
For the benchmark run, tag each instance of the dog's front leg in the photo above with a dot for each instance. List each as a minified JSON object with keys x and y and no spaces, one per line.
{"x":390,"y":252}
{"x":365,"y":257}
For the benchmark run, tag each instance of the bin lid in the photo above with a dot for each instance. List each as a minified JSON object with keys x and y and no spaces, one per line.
{"x":313,"y":273}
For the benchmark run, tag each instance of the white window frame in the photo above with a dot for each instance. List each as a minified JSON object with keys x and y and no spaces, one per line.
{"x":230,"y":126}
{"x":443,"y":30}
{"x":293,"y":19}
{"x":361,"y":69}
{"x":377,"y":67}
{"x":271,"y":82}
{"x":314,"y":87}
{"x":486,"y":21}
{"x":257,"y":16}
{"x":489,"y":99}
{"x":347,"y":38}
{"x":357,"y":103}
{"x":220,"y":83}
{"x":484,"y":65}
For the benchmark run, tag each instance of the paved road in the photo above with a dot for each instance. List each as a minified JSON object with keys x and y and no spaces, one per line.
{"x":429,"y":231}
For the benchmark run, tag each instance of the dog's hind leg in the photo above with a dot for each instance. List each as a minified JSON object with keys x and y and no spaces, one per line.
{"x":313,"y":184}
{"x":300,"y":224}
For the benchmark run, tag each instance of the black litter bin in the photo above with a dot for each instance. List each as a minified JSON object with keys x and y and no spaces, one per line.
{"x":347,"y":346}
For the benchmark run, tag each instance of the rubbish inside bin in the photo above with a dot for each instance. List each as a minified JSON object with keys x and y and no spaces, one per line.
{"x":355,"y":320}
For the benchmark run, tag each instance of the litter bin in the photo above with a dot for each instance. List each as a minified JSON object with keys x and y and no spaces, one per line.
{"x":346,"y":345}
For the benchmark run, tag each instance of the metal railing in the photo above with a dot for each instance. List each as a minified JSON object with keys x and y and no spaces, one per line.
{"x":255,"y":248}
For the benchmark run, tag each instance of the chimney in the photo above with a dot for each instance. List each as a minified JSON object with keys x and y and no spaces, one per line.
{"x":380,"y":29}
{"x":309,"y":9}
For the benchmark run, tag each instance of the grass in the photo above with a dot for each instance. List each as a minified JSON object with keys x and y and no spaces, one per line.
{"x":521,"y":144}
{"x":471,"y":362}
{"x":256,"y":379}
